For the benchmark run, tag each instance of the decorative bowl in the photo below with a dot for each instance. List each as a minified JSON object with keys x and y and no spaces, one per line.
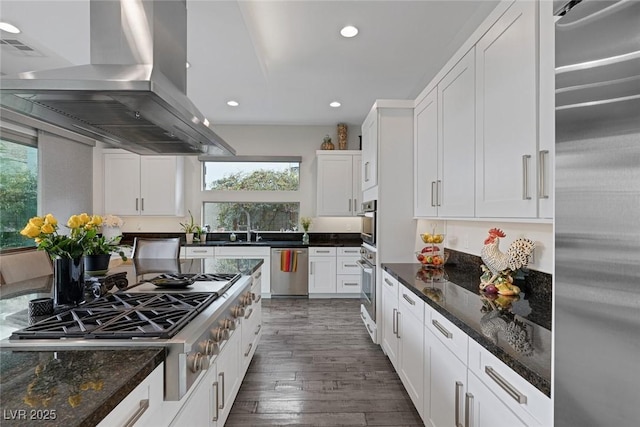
{"x":432,"y":259}
{"x":432,"y":238}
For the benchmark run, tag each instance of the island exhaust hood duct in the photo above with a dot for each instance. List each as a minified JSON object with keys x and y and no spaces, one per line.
{"x":133,"y":93}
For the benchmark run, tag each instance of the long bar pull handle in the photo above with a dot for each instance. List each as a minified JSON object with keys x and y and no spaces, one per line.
{"x":144,"y":405}
{"x":258,"y":329}
{"x":525,"y":177}
{"x":248,"y":350}
{"x":259,"y":298}
{"x":457,"y":409}
{"x":311,"y":268}
{"x":137,"y":204}
{"x":468,"y":405}
{"x":388,"y":282}
{"x":350,"y":200}
{"x":221,"y":375}
{"x":505,"y":385}
{"x":412,"y":302}
{"x":215,"y":417}
{"x":442,"y":329}
{"x":366,"y":172}
{"x":394,"y":326}
{"x":398,"y":324}
{"x":248,"y":315}
{"x":351,"y":284}
{"x":142,"y":204}
{"x":438,"y":195}
{"x":542,"y":156}
{"x":433,"y":193}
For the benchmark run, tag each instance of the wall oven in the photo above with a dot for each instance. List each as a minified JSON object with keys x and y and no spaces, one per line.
{"x":367,"y":263}
{"x":368,"y":216}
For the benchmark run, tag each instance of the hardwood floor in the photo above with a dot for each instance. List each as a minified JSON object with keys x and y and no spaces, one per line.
{"x":316,"y":366}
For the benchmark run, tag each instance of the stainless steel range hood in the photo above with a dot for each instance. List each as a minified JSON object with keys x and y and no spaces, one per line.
{"x":133,"y":94}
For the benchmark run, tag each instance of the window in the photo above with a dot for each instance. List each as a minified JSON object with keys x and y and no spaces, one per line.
{"x":252,"y":175}
{"x":263,"y":216}
{"x":18,"y":190}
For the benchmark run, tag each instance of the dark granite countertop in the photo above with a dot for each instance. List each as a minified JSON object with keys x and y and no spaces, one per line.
{"x":70,"y":387}
{"x":269,"y":239}
{"x":485,"y":318}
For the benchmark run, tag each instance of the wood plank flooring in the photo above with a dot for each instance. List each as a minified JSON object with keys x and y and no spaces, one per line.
{"x":316,"y":366}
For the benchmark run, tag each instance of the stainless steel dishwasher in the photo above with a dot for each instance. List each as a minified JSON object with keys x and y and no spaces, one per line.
{"x":289,"y":272}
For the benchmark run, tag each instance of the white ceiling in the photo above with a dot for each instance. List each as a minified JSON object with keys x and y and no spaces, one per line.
{"x":283,"y":61}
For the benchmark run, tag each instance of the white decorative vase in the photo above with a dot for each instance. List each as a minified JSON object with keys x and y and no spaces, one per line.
{"x":112,"y":234}
{"x":189,"y":237}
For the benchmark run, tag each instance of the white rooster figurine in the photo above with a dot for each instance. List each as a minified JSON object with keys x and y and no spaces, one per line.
{"x":496,"y":262}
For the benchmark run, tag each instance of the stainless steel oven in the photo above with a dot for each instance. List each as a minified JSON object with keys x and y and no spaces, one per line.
{"x":368,"y":216}
{"x":367,"y":263}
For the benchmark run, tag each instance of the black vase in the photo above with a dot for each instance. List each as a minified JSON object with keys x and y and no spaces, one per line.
{"x":68,"y":281}
{"x":96,"y":265}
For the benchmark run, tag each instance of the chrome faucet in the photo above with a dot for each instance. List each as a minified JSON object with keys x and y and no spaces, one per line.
{"x":248,"y":224}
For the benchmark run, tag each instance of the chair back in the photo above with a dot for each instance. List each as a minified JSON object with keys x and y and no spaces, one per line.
{"x":166,"y":248}
{"x":21,"y":266}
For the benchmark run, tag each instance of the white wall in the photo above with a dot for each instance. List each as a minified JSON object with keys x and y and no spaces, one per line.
{"x":270,"y":140}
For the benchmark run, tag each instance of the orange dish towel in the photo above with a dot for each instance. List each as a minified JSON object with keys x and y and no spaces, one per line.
{"x":289,"y":261}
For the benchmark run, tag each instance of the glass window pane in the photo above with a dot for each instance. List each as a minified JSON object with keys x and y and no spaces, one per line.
{"x":18,"y":192}
{"x":267,"y":216}
{"x":252,"y":176}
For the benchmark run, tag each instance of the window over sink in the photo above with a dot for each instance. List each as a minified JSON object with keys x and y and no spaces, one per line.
{"x":262,"y":216}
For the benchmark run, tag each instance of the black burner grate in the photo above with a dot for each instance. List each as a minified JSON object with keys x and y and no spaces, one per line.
{"x":123,"y":315}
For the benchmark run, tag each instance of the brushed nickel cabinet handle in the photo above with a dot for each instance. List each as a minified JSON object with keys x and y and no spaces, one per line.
{"x":142,"y":204}
{"x":438,"y":195}
{"x":350,"y":205}
{"x":323,"y":251}
{"x":433,"y":193}
{"x":144,"y":405}
{"x":259,"y":298}
{"x":525,"y":177}
{"x":412,"y":302}
{"x":248,"y":350}
{"x":258,"y":329}
{"x":221,"y":375}
{"x":468,"y":405}
{"x":388,"y":282}
{"x":394,"y":327}
{"x":542,"y":155}
{"x":215,"y":417}
{"x":505,"y":385}
{"x":366,"y":171}
{"x":398,"y":324}
{"x":136,"y":204}
{"x":457,"y":408}
{"x":259,"y":275}
{"x":248,"y":315}
{"x":350,"y":284}
{"x":442,"y":329}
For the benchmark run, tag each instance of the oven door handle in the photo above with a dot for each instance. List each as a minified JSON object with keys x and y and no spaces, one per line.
{"x":364,"y":266}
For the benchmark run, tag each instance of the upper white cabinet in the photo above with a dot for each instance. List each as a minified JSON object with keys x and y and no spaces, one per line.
{"x":143,"y":185}
{"x":338,"y":191}
{"x":444,"y":145}
{"x":506,"y":116}
{"x":370,"y":151}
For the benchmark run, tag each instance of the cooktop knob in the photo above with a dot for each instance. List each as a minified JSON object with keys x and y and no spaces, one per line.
{"x":237,"y":311}
{"x":211,"y":348}
{"x":197,"y":362}
{"x":219,"y":334}
{"x":228,"y":324}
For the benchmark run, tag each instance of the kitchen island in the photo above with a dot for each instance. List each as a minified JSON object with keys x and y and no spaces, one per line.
{"x":77,"y":382}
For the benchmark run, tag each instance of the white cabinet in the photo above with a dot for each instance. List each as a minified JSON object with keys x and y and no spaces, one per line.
{"x":252,"y":321}
{"x":143,"y":185}
{"x":142,"y":406}
{"x":506,"y":113}
{"x":444,"y":158}
{"x":348,"y":279}
{"x":229,"y":376}
{"x":389,"y":340}
{"x":338,"y":186}
{"x":322,"y":270}
{"x":369,"y":177}
{"x":484,"y":409}
{"x":199,"y":408}
{"x":402,"y":336}
{"x":426,"y":156}
{"x":197,"y":252}
{"x":456,"y":161}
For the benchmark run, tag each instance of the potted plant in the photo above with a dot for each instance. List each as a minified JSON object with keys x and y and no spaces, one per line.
{"x":189,"y":228}
{"x":305,"y":221}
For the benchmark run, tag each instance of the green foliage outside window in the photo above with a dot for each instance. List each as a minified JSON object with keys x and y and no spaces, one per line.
{"x":18,"y":192}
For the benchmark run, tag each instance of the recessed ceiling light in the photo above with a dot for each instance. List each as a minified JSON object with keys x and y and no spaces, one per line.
{"x":349,"y":31}
{"x":335,"y":104}
{"x":188,"y":64}
{"x":5,"y":26}
{"x":232,"y":103}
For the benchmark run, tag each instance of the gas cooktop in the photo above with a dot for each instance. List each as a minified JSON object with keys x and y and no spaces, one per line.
{"x":123,"y":315}
{"x":174,"y":280}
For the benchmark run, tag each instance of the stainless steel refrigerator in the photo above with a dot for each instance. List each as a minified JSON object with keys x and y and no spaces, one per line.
{"x":597,"y":219}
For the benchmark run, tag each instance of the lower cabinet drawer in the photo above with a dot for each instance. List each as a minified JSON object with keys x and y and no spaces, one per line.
{"x":194,"y":251}
{"x":450,"y":335}
{"x":142,"y":406}
{"x":348,"y":284}
{"x":526,"y":401}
